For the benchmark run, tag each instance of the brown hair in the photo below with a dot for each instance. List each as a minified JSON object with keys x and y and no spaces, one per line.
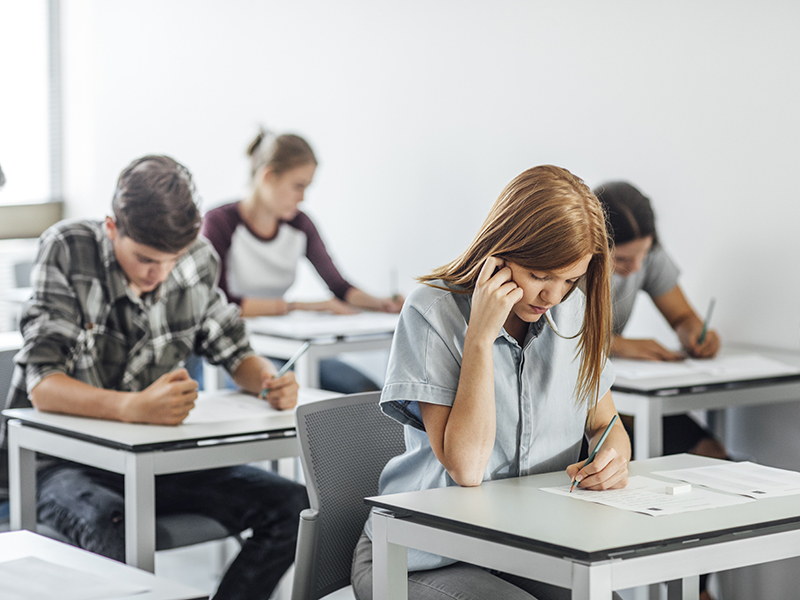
{"x":547,"y":219}
{"x":281,"y":153}
{"x":155,"y":204}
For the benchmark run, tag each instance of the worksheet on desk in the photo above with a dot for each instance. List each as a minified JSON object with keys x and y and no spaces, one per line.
{"x":738,"y":366}
{"x":649,"y":496}
{"x":309,"y":325}
{"x":227,"y":406}
{"x":744,"y":478}
{"x":31,"y":577}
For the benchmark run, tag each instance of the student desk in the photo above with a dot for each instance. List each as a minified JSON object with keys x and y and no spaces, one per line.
{"x":255,"y":432}
{"x":23,"y":544}
{"x":513,"y":526}
{"x":649,"y":399}
{"x":330,"y":335}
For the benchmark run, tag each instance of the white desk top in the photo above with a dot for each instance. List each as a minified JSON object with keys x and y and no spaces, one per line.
{"x":207,"y":421}
{"x":21,"y":544}
{"x":517,"y":509}
{"x":769,"y":366}
{"x":310,"y":325}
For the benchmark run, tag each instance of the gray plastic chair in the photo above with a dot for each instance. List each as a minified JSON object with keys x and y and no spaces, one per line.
{"x":345,"y":443}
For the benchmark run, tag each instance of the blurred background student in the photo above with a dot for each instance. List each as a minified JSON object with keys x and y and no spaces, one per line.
{"x":640,"y":263}
{"x":262,"y":238}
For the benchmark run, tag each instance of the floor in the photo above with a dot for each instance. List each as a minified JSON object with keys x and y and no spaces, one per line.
{"x":201,"y":566}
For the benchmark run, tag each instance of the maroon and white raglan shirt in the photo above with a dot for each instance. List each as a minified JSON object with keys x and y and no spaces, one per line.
{"x":256,"y":267}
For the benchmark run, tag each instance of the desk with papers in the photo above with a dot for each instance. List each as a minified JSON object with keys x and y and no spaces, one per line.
{"x":224,"y":429}
{"x":36,"y":567}
{"x":740,"y":376}
{"x":329,"y":335}
{"x":515,"y":526}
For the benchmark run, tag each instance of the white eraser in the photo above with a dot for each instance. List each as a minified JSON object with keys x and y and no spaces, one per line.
{"x":679,"y":488}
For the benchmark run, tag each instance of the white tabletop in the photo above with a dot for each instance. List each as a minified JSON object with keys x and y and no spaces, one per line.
{"x":16,"y":545}
{"x":246,"y":415}
{"x":667,"y":378}
{"x":311,"y":325}
{"x":517,"y":509}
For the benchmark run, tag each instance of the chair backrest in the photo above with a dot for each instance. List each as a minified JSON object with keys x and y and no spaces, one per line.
{"x":345,"y":442}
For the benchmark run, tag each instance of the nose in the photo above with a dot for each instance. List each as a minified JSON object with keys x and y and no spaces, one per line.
{"x":638,"y":261}
{"x":550,"y":294}
{"x":160,"y":272}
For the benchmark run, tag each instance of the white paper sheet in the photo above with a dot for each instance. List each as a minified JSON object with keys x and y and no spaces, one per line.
{"x":649,"y":496}
{"x":304,"y":325}
{"x":739,"y":366}
{"x":745,"y":478}
{"x":32,"y":578}
{"x":227,"y":406}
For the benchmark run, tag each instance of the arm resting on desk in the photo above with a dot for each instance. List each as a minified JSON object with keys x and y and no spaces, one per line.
{"x":166,"y":401}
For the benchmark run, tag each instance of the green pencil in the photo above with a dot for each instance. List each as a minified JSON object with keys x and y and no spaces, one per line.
{"x":703,"y":333}
{"x":596,"y":448}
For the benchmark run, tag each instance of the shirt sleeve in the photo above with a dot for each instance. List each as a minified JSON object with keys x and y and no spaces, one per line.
{"x":221,"y":337}
{"x":51,"y":321}
{"x":425,"y":363}
{"x":318,"y":255}
{"x":661,"y":273}
{"x":218,"y":227}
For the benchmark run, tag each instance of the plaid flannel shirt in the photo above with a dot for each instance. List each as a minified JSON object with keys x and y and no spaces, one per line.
{"x":83,"y":319}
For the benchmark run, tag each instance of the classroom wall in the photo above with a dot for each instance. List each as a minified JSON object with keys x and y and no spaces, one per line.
{"x":421,"y":111}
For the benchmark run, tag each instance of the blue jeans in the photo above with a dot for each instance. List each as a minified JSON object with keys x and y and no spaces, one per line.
{"x":86,"y":505}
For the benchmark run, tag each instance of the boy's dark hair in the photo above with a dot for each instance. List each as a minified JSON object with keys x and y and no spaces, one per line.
{"x":628,"y":211}
{"x":155,"y":204}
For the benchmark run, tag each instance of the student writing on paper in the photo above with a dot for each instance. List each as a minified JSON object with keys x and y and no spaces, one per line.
{"x":117,"y":306}
{"x":641,"y":263}
{"x":485,"y":386}
{"x":262,"y":238}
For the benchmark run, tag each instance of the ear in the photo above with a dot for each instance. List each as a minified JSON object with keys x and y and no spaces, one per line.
{"x":266,"y":175}
{"x":111,"y":229}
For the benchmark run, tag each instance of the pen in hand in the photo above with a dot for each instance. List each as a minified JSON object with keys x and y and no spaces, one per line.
{"x":596,"y":449}
{"x":703,"y":333}
{"x":285,"y":368}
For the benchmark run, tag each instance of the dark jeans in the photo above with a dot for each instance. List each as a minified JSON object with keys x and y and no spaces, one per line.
{"x":86,"y":505}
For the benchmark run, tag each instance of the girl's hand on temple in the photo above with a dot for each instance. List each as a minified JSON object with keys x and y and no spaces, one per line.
{"x":608,"y":471}
{"x":494,"y":296}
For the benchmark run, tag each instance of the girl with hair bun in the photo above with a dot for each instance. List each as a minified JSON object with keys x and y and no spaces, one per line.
{"x":262,"y":238}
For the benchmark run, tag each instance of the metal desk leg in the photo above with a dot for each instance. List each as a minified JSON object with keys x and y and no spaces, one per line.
{"x":687,"y":588}
{"x":306,"y":369}
{"x":21,"y":480}
{"x":647,"y":429}
{"x":140,"y":511}
{"x":389,"y":563}
{"x":591,"y":582}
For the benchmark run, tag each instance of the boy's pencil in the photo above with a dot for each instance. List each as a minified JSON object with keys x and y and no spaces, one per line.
{"x":596,"y":449}
{"x":285,"y":368}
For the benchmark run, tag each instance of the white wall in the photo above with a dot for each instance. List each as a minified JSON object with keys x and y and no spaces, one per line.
{"x":420,"y":112}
